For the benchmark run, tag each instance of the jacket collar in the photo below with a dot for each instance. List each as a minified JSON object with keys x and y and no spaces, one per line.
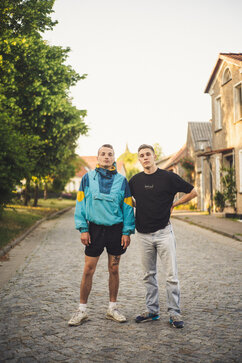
{"x":105,"y":172}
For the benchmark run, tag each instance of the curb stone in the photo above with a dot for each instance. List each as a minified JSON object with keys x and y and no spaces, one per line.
{"x":13,"y":243}
{"x":209,"y":228}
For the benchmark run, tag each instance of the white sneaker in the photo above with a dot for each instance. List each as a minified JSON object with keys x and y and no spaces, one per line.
{"x":78,"y":318}
{"x":115,"y":315}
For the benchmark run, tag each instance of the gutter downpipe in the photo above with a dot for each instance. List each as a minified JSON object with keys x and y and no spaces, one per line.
{"x":210,"y":184}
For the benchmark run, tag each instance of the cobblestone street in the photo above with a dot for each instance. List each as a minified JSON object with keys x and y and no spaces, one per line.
{"x":38,"y":301}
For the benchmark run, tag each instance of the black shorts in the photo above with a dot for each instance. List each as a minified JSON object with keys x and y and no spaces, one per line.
{"x":105,"y":236}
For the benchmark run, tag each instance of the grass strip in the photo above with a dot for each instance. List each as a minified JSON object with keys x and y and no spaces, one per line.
{"x":16,"y":219}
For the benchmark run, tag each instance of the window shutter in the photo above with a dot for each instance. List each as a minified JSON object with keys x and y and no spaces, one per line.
{"x":238,"y":102}
{"x":217,"y":168}
{"x":240,"y":171}
{"x":218,"y":113}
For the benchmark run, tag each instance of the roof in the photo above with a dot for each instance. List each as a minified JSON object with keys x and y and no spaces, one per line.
{"x":201,"y":133}
{"x":172,"y":159}
{"x":218,"y":151}
{"x":82,"y":171}
{"x":235,"y":58}
{"x":91,"y":161}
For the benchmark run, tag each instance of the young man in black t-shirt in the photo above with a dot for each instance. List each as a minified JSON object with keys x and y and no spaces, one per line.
{"x":154,"y":191}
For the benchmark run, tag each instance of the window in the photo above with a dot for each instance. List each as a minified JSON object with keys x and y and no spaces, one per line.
{"x":226,"y":76}
{"x":238,"y":102}
{"x":240,"y":171}
{"x":228,"y":161}
{"x":217,"y":170}
{"x":218,"y":113}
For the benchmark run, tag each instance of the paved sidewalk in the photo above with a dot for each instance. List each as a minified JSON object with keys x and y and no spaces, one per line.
{"x":36,"y":304}
{"x":218,"y":224}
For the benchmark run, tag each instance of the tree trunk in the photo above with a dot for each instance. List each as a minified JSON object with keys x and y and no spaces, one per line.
{"x":36,"y":195}
{"x":45,"y":192}
{"x":27,"y":192}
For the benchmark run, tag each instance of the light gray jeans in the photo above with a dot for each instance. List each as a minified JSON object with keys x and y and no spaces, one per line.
{"x":163,"y":244}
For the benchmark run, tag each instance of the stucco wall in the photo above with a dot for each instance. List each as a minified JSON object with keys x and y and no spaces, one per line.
{"x":230,"y":136}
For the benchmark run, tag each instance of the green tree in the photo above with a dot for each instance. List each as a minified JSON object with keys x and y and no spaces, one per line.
{"x":12,"y":161}
{"x":53,"y":119}
{"x":158,"y":150}
{"x":35,"y":85}
{"x":25,"y":17}
{"x":131,"y":172}
{"x":127,"y":157}
{"x":130,"y":160}
{"x":13,"y":155}
{"x":63,"y":173}
{"x":19,"y":18}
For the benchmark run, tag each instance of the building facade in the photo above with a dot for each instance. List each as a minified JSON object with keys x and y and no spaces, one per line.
{"x":225,"y":88}
{"x":199,"y":139}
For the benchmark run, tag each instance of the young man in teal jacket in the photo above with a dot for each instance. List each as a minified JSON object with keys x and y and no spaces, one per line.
{"x":104,"y":216}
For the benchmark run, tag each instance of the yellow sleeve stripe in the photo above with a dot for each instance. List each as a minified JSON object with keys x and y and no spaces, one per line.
{"x":80,"y":196}
{"x":128,"y":201}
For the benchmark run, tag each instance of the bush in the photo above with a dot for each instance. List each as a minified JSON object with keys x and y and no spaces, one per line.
{"x":188,"y":165}
{"x":229,"y":186}
{"x":192,"y":206}
{"x":219,"y":200}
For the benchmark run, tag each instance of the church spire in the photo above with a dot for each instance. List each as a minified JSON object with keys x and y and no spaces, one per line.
{"x":127,"y":148}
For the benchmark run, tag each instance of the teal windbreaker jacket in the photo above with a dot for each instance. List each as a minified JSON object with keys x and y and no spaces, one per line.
{"x":104,"y":198}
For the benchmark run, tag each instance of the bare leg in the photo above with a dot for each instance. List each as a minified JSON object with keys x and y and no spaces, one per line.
{"x":86,"y":283}
{"x":113,"y":267}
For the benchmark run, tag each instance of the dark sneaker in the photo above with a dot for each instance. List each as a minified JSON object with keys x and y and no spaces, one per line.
{"x":176,"y":321}
{"x":144,"y":317}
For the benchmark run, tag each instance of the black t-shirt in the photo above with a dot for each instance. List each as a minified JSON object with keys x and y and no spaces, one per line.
{"x":154,"y":194}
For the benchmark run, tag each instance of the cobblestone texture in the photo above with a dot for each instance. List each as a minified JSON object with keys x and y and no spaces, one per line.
{"x":37,"y":303}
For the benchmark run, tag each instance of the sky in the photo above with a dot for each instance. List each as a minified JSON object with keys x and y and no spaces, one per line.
{"x":148,"y":63}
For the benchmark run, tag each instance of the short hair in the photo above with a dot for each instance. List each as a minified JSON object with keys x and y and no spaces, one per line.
{"x":146,"y":146}
{"x":106,"y":145}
